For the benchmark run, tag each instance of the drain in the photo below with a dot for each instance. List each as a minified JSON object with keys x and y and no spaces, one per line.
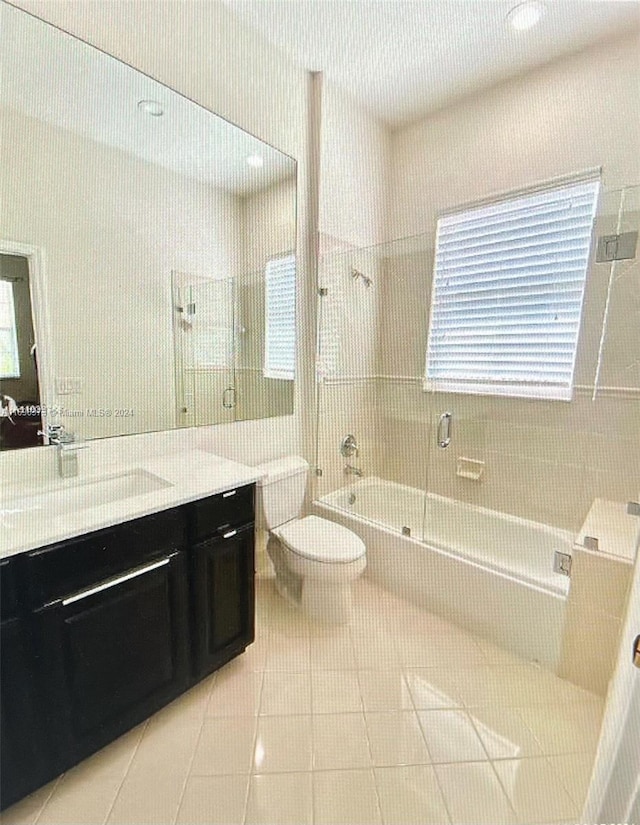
{"x":352,"y":498}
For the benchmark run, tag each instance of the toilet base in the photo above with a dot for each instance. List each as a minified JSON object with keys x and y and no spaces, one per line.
{"x":324,"y":599}
{"x":327,"y":602}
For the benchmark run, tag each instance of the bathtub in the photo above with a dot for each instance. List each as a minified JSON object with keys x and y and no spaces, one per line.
{"x":487,"y":571}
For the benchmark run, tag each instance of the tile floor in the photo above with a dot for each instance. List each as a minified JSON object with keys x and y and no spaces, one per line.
{"x":399,"y":718}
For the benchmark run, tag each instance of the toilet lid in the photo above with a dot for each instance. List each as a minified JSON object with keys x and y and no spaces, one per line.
{"x":321,"y":540}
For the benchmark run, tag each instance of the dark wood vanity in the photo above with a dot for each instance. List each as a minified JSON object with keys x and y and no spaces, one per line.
{"x":100,"y":631}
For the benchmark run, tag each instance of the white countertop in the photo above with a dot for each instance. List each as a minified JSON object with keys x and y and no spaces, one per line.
{"x":191,"y":475}
{"x":615,"y":529}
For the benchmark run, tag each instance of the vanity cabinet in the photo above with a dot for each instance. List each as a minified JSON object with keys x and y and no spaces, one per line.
{"x":24,"y":757}
{"x":221,"y":533}
{"x":101,"y":631}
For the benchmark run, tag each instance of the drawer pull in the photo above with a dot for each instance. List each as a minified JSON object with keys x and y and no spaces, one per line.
{"x":229,"y":534}
{"x":229,"y":493}
{"x":132,"y":574}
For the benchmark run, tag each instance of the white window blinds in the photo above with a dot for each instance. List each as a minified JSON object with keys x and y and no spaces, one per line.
{"x":9,"y":360}
{"x":507,"y":294}
{"x":280,"y":318}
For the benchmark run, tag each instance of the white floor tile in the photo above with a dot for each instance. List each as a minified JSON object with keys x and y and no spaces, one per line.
{"x":396,"y":739}
{"x":504,"y":733}
{"x":144,"y":801}
{"x":283,"y":743}
{"x":289,"y":654}
{"x":473,"y":794}
{"x":410,"y":796}
{"x":213,"y":800}
{"x":286,"y":694}
{"x":340,"y":741}
{"x":345,"y":798}
{"x":281,"y":799}
{"x":77,"y":800}
{"x":225,"y":746}
{"x":235,"y":693}
{"x":574,"y":771}
{"x":564,"y":728}
{"x":335,"y":691}
{"x":332,"y":653}
{"x":534,"y":791}
{"x":451,"y":736}
{"x":432,"y":689}
{"x":384,"y":690}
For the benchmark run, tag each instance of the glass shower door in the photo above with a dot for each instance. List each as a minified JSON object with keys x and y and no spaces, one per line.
{"x":205,"y":351}
{"x":369,"y":386}
{"x":545,"y":461}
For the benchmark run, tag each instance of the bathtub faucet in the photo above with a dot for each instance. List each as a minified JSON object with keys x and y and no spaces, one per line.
{"x":350,"y":470}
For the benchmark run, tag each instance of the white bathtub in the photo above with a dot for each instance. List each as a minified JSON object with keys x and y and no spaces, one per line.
{"x":487,"y":571}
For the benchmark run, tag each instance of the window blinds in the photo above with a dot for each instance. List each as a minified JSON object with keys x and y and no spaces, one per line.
{"x":280,"y":318}
{"x":507,"y":294}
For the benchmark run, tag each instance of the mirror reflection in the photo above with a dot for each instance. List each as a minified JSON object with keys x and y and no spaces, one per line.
{"x":164,"y":293}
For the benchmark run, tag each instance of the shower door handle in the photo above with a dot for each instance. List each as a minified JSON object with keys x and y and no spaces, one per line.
{"x":229,"y":402}
{"x":444,"y":430}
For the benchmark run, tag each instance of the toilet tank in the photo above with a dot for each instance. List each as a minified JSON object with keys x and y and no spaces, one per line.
{"x":280,"y":492}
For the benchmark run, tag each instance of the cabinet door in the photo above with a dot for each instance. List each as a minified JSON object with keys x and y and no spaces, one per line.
{"x":223,"y":590}
{"x":23,"y":756}
{"x":114,"y":653}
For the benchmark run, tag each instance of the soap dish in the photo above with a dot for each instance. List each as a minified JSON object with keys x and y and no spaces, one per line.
{"x":469,"y":468}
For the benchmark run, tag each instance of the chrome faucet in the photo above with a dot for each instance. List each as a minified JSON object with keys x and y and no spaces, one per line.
{"x":67,"y":449}
{"x":350,"y":470}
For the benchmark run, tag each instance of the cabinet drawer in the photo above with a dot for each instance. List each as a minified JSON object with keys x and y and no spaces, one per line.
{"x":61,"y":569}
{"x":211,"y":516}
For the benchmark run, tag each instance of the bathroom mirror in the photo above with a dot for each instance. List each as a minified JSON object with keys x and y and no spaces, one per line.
{"x":159,"y":240}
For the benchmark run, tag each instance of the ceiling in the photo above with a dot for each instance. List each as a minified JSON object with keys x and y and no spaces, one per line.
{"x":49,"y":75}
{"x":402,"y":59}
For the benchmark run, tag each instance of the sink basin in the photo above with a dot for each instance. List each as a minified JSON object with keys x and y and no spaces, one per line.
{"x":90,"y":493}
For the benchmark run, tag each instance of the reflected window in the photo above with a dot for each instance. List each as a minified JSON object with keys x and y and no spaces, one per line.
{"x":9,"y":360}
{"x":280,"y":318}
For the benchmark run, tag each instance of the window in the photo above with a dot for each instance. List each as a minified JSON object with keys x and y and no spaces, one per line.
{"x":9,"y":360}
{"x":280,"y":318}
{"x":507,"y":293}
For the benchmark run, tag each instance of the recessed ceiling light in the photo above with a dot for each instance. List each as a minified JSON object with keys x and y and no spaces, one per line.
{"x":256,"y":161}
{"x":526,"y":15}
{"x":151,"y":107}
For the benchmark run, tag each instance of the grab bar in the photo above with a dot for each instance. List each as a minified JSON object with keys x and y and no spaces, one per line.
{"x":444,"y":430}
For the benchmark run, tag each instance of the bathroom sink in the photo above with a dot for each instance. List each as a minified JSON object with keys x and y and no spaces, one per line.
{"x":90,"y":493}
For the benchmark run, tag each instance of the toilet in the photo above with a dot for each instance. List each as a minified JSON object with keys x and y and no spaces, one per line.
{"x":315,"y":559}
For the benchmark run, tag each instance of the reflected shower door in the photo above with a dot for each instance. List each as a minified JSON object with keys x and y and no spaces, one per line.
{"x":205,"y":376}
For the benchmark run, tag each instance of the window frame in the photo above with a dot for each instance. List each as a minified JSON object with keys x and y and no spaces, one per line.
{"x":535,"y":389}
{"x":12,"y":329}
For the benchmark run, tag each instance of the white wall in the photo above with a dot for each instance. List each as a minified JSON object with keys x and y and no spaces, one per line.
{"x":354,"y":164}
{"x":203,"y":51}
{"x":579,"y":112}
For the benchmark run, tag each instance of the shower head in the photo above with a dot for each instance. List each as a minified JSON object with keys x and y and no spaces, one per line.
{"x":355,"y":274}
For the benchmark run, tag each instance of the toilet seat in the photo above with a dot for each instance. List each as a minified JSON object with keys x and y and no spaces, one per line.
{"x":321,"y":540}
